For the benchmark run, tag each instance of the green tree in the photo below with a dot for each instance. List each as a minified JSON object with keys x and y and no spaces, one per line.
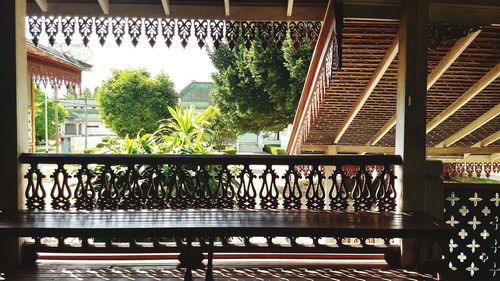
{"x":71,"y":94}
{"x":258,"y":89}
{"x":131,"y":101}
{"x":221,"y":132}
{"x":40,"y":116}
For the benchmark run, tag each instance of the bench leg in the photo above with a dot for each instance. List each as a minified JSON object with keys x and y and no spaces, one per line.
{"x":190,"y":258}
{"x":209,"y":275}
{"x":29,"y":256}
{"x":393,"y":257}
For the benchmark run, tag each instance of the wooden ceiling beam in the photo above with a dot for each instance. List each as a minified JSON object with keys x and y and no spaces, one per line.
{"x":289,"y":8}
{"x":488,"y":140}
{"x":482,"y":12}
{"x":382,"y":131}
{"x":370,"y":86}
{"x":436,"y":73}
{"x":466,"y":12}
{"x":471,"y":127}
{"x":450,"y":58}
{"x":227,"y":10}
{"x":104,"y":6}
{"x":313,"y":11}
{"x":430,"y":151}
{"x":166,"y":6}
{"x":486,"y":80}
{"x":42,"y":4}
{"x":476,"y":158}
{"x":495,"y":157}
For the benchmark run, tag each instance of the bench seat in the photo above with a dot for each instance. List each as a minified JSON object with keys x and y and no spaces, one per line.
{"x":212,"y":223}
{"x":219,"y":222}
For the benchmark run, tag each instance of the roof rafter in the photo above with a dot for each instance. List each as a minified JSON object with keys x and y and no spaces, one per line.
{"x":488,"y":140}
{"x":477,"y":158}
{"x":166,"y":6}
{"x":382,"y":131}
{"x":434,"y":76}
{"x":370,"y":86}
{"x":42,"y":4}
{"x":289,"y":8}
{"x":104,"y":6}
{"x":450,"y":58}
{"x":465,"y":98}
{"x":227,"y":10}
{"x":471,"y":127}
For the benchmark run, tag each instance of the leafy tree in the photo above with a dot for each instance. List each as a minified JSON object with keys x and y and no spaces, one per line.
{"x":40,"y":115}
{"x":71,"y":94}
{"x":131,"y":101}
{"x":258,"y":89}
{"x":221,"y":132}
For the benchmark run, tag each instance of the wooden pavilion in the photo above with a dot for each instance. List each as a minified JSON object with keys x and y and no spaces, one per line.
{"x":414,"y":78}
{"x":50,"y":68}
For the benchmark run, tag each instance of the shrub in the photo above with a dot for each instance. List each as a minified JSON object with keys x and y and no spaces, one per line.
{"x":229,"y":150}
{"x":267,"y":147}
{"x":278,"y":151}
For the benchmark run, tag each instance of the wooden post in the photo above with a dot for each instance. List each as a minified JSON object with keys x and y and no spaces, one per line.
{"x":33,"y":111}
{"x":56,"y":117}
{"x":411,"y":111}
{"x":14,"y":115}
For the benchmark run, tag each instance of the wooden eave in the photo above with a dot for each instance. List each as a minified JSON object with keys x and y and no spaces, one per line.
{"x":452,"y":11}
{"x":39,"y":56}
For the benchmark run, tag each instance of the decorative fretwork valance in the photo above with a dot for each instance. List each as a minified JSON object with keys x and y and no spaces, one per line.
{"x":152,"y":29}
{"x":48,"y":75}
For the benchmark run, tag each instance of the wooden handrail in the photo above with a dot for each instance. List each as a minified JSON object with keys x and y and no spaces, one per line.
{"x":186,"y":159}
{"x":319,"y":56}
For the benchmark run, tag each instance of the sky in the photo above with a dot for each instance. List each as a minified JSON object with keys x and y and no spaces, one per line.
{"x":181,"y":65}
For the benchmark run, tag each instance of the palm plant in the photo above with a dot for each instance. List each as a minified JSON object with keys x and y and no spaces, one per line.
{"x":183,"y":133}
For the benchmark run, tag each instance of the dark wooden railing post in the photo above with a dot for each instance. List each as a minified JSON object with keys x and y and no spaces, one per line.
{"x":13,"y":113}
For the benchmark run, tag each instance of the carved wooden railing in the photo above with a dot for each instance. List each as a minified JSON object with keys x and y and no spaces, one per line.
{"x":474,"y":211}
{"x":470,"y":169}
{"x":133,"y":182}
{"x":318,"y":78}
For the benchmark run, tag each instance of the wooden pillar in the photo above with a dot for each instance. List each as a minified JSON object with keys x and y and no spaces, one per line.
{"x":13,"y":113}
{"x":411,"y":102}
{"x":411,"y":111}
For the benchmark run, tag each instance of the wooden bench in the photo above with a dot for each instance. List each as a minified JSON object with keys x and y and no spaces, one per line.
{"x":218,"y":223}
{"x":204,"y":203}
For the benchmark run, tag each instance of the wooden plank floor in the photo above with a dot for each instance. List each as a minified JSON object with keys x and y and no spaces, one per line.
{"x":221,"y":273}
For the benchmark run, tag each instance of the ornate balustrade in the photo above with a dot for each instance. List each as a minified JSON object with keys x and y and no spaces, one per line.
{"x":134,"y":182}
{"x":474,"y":211}
{"x":470,"y":169}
